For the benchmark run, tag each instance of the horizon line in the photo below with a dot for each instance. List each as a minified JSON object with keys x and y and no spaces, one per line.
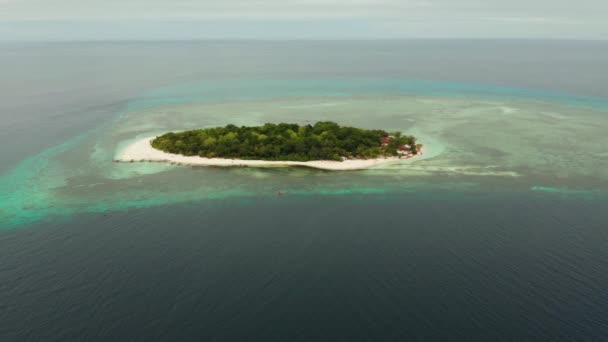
{"x":112,"y":40}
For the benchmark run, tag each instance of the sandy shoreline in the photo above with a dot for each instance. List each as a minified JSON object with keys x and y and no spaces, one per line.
{"x":142,"y":151}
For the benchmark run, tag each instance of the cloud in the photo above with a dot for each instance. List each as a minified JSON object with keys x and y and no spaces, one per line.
{"x":530,"y":20}
{"x":381,"y":18}
{"x":22,"y":10}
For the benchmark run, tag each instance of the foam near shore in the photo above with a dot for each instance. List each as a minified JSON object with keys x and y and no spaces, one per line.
{"x":142,"y":151}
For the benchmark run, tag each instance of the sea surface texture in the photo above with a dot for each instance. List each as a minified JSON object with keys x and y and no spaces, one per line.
{"x":498,"y":233}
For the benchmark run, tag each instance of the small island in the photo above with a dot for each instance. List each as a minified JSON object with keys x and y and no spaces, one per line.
{"x":324,"y":145}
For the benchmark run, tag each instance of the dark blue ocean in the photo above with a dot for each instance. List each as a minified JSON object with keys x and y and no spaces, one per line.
{"x":489,"y":262}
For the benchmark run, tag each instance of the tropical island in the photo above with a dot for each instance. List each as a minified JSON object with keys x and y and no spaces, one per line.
{"x":324,"y":145}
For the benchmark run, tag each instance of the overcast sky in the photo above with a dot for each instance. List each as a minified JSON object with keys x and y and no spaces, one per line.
{"x":302,"y":19}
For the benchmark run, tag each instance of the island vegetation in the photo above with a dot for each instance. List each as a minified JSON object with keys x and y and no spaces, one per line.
{"x":287,"y":142}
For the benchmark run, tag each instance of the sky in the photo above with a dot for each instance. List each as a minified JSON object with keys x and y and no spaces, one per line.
{"x":301,"y":19}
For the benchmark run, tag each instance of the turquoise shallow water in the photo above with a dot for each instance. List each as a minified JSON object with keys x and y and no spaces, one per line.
{"x":267,"y":89}
{"x":477,"y":137}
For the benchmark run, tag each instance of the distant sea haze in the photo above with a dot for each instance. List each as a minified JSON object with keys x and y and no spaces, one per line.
{"x":496,"y":233}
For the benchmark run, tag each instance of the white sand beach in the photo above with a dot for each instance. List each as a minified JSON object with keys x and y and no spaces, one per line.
{"x":142,"y":151}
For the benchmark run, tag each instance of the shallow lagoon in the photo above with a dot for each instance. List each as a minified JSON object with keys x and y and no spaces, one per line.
{"x":476,"y":138}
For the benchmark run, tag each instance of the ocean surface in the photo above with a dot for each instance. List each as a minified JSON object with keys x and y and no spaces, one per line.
{"x":498,"y":233}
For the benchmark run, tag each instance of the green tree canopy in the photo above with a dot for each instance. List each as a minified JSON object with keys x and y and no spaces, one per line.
{"x":324,"y":140}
